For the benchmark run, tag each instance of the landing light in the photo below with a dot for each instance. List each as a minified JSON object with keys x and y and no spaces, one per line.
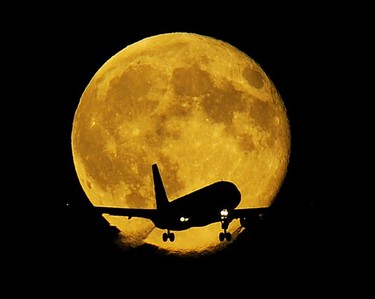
{"x":224,"y":213}
{"x":184,"y":219}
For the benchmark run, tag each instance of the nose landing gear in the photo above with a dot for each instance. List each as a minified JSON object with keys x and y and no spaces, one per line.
{"x":224,"y":225}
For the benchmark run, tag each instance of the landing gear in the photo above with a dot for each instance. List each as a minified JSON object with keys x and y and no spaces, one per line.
{"x":225,"y":235}
{"x":168,"y":235}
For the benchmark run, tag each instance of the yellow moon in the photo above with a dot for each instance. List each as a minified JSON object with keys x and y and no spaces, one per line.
{"x":201,"y":109}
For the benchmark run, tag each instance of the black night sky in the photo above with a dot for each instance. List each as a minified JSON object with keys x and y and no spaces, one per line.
{"x":300,"y":240}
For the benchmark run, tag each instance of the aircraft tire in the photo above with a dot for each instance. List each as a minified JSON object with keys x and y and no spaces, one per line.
{"x":171,"y":237}
{"x":228,"y":236}
{"x":165,"y":237}
{"x":221,"y":236}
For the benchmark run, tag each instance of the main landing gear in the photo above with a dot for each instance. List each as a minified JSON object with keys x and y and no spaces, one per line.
{"x":225,"y":235}
{"x":168,"y":235}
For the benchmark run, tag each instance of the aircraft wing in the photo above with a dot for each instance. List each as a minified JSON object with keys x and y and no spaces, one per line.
{"x":249,"y":216}
{"x":249,"y":212}
{"x":129,"y":212}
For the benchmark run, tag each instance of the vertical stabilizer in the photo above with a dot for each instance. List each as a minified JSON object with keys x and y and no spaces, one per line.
{"x":160,"y":194}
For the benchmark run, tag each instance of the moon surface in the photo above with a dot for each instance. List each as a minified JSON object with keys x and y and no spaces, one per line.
{"x":201,"y":109}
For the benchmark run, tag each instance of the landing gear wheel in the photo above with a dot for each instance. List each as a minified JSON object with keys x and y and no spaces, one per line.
{"x":165,"y":237}
{"x":225,"y":236}
{"x":169,"y":236}
{"x":228,"y":236}
{"x":221,"y":237}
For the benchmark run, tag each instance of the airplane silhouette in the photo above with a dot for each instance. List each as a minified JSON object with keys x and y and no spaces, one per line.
{"x":213,"y":203}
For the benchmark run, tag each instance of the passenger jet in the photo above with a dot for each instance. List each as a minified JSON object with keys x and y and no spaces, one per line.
{"x":216,"y":202}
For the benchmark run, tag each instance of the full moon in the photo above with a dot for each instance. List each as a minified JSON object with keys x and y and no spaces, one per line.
{"x":201,"y":109}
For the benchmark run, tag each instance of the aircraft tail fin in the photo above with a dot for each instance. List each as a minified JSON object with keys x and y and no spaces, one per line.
{"x":160,"y":194}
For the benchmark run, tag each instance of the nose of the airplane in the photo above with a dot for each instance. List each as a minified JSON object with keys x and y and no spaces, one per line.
{"x":233,"y":193}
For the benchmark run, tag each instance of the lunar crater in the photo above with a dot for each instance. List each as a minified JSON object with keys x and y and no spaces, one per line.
{"x":253,"y":77}
{"x":191,"y":81}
